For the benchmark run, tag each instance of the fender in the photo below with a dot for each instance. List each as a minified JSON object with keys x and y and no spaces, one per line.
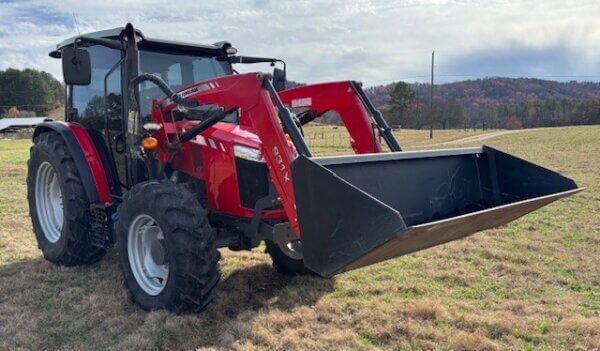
{"x":86,"y":157}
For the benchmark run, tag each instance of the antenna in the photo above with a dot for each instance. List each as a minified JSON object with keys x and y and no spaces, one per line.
{"x":76,"y":25}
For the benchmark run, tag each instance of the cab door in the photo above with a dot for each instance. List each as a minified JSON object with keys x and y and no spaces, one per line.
{"x":99,"y":107}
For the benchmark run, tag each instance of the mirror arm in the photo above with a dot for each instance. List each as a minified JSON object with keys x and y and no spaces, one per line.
{"x":113,"y":44}
{"x":252,"y":59}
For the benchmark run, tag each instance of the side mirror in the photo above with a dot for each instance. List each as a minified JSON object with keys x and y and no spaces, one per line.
{"x":279,"y":79}
{"x":76,"y":66}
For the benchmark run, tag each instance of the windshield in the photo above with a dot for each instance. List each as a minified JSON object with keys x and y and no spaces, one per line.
{"x":177,"y":71}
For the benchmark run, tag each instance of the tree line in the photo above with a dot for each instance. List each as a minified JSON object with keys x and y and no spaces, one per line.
{"x":489,"y":103}
{"x":29,"y":92}
{"x":482,"y":103}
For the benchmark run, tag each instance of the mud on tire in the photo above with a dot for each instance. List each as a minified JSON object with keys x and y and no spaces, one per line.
{"x":70,"y":245}
{"x":188,"y":246}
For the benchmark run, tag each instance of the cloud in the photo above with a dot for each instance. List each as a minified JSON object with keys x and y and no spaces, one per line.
{"x":556,"y":61}
{"x":372,"y":41}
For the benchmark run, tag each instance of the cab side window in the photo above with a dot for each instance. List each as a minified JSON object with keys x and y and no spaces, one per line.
{"x":89,"y":99}
{"x":177,"y":71}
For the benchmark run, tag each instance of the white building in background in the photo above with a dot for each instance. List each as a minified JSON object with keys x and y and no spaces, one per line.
{"x":9,"y":125}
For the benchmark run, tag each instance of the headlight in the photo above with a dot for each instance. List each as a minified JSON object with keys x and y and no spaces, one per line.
{"x":152,"y":126}
{"x":248,"y":153}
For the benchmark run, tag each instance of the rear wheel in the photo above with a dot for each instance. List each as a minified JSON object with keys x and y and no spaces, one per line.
{"x":167,"y":248}
{"x":287,"y":257}
{"x":58,"y":205}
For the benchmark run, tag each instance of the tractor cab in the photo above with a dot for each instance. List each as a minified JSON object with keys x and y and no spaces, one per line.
{"x":116,"y":56}
{"x":102,"y":105}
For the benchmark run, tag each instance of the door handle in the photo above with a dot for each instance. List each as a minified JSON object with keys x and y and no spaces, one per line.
{"x":119,"y":143}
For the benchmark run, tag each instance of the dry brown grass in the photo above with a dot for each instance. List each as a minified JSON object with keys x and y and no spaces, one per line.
{"x":532,"y":284}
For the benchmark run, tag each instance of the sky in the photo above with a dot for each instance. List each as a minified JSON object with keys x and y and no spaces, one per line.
{"x":373,"y":41}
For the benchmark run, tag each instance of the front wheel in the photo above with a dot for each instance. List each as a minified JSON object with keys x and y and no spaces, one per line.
{"x":287,"y":257}
{"x":167,"y":248}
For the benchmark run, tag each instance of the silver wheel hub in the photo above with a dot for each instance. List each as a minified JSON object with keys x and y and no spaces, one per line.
{"x":48,"y":202}
{"x":292,"y":249}
{"x":147,"y":254}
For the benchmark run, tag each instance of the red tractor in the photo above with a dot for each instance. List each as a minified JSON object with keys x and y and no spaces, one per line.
{"x":170,"y":154}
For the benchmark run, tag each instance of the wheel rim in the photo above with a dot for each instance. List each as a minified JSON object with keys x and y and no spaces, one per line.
{"x":292,"y":249}
{"x":48,"y":200}
{"x":151,"y":276}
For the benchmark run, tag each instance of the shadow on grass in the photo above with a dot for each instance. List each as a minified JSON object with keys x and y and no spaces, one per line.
{"x":92,"y":298}
{"x":260,"y":286}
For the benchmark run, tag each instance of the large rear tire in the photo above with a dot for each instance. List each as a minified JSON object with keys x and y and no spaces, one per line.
{"x":58,"y":205}
{"x":287,"y":257}
{"x":166,"y":248}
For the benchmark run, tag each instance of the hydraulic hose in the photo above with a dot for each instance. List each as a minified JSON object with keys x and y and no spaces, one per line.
{"x":211,"y":115}
{"x":212,"y":118}
{"x":165,"y":89}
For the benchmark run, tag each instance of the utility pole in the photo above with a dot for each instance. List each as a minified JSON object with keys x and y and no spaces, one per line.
{"x":419,"y":121}
{"x":431,"y":99}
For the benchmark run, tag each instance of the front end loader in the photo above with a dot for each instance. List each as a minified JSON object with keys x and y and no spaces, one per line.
{"x":183,"y":156}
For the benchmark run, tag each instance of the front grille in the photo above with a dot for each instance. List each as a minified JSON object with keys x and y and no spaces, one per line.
{"x":253,"y":181}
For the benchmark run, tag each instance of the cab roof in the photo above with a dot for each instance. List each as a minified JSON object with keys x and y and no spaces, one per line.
{"x":146,"y":43}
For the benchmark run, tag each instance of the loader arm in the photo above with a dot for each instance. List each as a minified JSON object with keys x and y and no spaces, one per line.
{"x":358,"y":114}
{"x":248,"y":93}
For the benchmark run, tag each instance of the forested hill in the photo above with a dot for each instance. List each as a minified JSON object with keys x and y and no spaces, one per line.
{"x":494,"y":102}
{"x":494,"y":91}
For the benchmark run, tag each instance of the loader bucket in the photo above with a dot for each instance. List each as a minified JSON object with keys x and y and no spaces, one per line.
{"x":358,"y":210}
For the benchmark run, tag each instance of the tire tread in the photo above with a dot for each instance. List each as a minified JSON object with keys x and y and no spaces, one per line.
{"x":78,"y":249}
{"x":185,"y":223}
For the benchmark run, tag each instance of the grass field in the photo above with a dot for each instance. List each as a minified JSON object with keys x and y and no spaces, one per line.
{"x":328,"y":140}
{"x":533,"y":284}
